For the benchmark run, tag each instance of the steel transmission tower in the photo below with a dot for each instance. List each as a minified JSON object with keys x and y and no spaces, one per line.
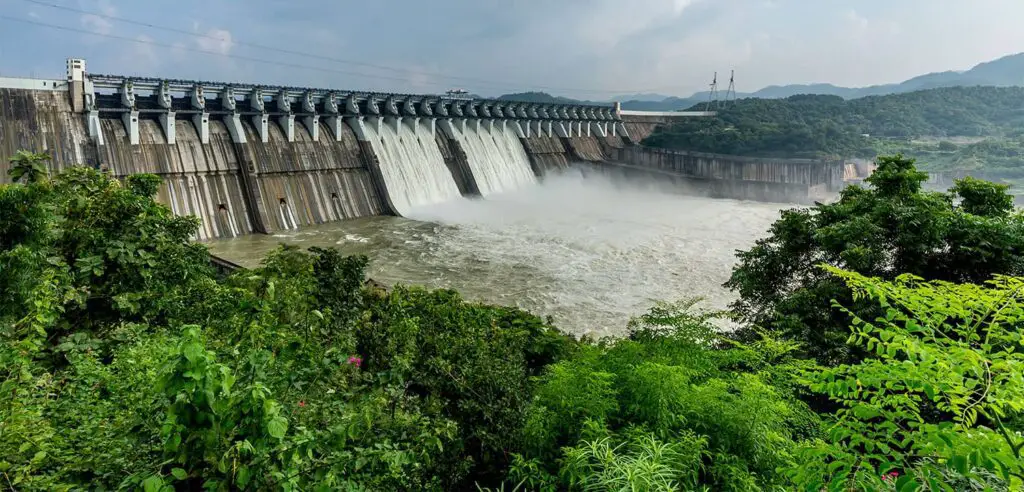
{"x":713,"y":94}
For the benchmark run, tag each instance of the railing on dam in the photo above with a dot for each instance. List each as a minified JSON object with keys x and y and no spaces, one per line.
{"x":130,"y":98}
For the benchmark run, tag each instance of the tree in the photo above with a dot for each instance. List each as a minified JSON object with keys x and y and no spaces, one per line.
{"x":28,"y":167}
{"x":893,"y":227}
{"x":823,"y":125}
{"x":671,"y":407}
{"x":953,"y":350}
{"x":126,"y":363}
{"x":983,"y":198}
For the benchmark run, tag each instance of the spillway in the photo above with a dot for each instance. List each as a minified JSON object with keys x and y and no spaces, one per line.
{"x":497,"y":159}
{"x":250,"y":159}
{"x":412,"y":167}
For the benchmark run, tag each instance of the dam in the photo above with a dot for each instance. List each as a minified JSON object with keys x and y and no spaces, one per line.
{"x":248,"y":158}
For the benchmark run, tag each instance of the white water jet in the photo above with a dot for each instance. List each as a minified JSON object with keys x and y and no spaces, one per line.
{"x":497,"y":159}
{"x":412,"y":166}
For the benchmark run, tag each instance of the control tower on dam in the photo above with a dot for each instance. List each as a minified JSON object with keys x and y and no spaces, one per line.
{"x":249,"y":158}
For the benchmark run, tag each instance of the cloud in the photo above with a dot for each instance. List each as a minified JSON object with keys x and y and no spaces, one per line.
{"x":99,"y":24}
{"x":419,"y":80}
{"x":581,"y":48}
{"x":145,"y":50}
{"x":856,"y":20}
{"x":605,"y":24}
{"x":140,"y":58}
{"x":216,"y":40}
{"x":678,"y":6}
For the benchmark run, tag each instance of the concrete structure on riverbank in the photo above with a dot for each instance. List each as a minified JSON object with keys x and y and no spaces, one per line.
{"x":723,"y":176}
{"x":258,"y":159}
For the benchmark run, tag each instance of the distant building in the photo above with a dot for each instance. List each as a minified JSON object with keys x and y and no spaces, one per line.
{"x":458,"y":94}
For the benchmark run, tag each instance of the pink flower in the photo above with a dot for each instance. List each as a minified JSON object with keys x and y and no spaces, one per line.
{"x":355,"y":361}
{"x":891,"y":475}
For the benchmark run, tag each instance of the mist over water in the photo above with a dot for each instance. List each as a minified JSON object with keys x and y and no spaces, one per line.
{"x":588,"y":251}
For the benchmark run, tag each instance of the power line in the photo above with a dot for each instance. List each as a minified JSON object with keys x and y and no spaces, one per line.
{"x":216,"y":38}
{"x":491,"y":83}
{"x":198,"y":50}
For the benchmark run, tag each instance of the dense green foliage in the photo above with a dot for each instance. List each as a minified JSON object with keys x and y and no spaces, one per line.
{"x":28,"y":166}
{"x":892,"y":227}
{"x":670,"y":407}
{"x":994,"y":159}
{"x":934,"y":401}
{"x":816,"y":125}
{"x":126,"y":363}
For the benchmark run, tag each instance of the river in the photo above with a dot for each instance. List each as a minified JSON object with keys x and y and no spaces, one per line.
{"x":590,"y":252}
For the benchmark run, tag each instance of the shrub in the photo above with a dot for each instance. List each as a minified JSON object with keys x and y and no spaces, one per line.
{"x":932,"y":407}
{"x":672,"y":385}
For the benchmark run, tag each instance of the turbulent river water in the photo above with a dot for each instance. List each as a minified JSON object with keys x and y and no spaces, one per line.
{"x":590,"y":252}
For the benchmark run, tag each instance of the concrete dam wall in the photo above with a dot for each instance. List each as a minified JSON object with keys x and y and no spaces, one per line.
{"x":586,"y":148}
{"x":307,"y":181}
{"x":243,"y":175}
{"x":546,"y":154}
{"x":725,"y":176}
{"x":254,"y":159}
{"x":198,"y":179}
{"x":42,"y":121}
{"x":295,"y":184}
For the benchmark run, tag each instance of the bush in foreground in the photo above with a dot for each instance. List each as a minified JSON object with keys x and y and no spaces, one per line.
{"x":939,"y":405}
{"x":129,"y":363}
{"x":125,"y":364}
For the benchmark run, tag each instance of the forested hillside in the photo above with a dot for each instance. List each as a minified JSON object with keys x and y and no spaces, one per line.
{"x":814,"y":125}
{"x":542,"y":97}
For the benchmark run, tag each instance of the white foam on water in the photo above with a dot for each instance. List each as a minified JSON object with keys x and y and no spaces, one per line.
{"x":412,"y":166}
{"x":496,"y":158}
{"x":589,"y":251}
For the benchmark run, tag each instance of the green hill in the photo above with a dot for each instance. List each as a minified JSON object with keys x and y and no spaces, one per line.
{"x":541,"y":98}
{"x":816,"y":125}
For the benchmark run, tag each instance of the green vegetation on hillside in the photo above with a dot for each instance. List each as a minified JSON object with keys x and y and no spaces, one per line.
{"x":814,"y":126}
{"x":891,"y":228}
{"x":541,"y":97}
{"x":126,"y":363}
{"x":992,"y":158}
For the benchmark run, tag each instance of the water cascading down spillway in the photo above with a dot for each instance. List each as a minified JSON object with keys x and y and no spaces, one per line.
{"x":496,"y":158}
{"x":412,"y":166}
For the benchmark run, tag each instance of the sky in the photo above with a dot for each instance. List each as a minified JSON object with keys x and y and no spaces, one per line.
{"x":588,"y":49}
